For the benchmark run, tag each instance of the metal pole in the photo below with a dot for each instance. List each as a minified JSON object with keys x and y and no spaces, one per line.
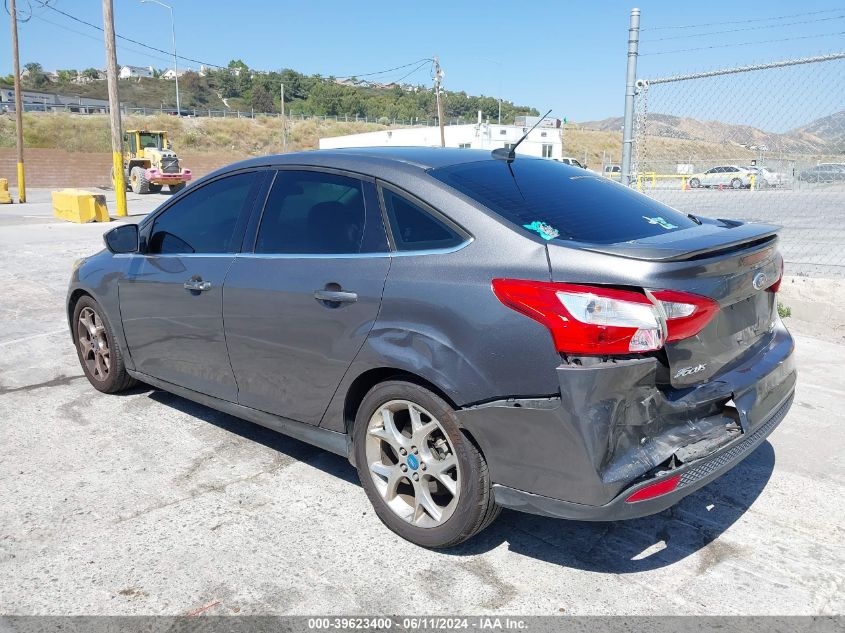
{"x":18,"y":101}
{"x":114,"y":109}
{"x":438,"y":76}
{"x":630,"y":92}
{"x":175,"y":57}
{"x":284,"y":123}
{"x":175,"y":62}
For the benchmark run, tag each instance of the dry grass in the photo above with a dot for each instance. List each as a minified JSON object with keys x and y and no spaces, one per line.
{"x":608,"y":146}
{"x":250,"y":137}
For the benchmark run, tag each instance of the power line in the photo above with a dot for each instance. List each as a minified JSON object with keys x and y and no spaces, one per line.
{"x":705,"y":48}
{"x":99,"y":40}
{"x":420,"y":67}
{"x":46,"y":4}
{"x":383,"y":72}
{"x":776,"y":17}
{"x":750,"y":28}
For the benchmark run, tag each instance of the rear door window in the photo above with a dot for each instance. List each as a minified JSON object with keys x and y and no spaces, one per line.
{"x":561,"y":203}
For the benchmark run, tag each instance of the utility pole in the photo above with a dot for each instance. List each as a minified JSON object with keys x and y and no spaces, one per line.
{"x":630,"y":93}
{"x":438,"y":77}
{"x":175,"y":57}
{"x":284,"y":123}
{"x":18,"y":101}
{"x":114,"y":109}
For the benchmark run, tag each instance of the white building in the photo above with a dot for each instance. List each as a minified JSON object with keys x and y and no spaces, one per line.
{"x":541,"y":142}
{"x":128,"y":72}
{"x":172,"y":74}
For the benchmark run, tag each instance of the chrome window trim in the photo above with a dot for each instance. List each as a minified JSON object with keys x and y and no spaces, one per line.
{"x":430,"y":251}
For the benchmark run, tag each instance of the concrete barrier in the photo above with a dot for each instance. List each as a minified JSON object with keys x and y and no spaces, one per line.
{"x":80,"y":206}
{"x":5,"y":198}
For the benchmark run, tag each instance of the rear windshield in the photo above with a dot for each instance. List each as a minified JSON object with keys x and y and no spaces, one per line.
{"x":559,"y":202}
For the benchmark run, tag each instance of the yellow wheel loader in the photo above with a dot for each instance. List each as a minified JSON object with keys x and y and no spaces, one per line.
{"x":149,"y":162}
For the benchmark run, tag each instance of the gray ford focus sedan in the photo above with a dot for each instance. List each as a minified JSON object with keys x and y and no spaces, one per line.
{"x":472,"y":330}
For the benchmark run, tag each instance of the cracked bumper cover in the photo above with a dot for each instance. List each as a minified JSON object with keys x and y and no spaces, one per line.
{"x":612,"y":432}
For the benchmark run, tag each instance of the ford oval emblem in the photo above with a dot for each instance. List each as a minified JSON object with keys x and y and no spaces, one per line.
{"x":759,"y":281}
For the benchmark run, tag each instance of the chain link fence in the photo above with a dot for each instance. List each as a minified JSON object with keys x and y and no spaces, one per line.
{"x":763,"y":143}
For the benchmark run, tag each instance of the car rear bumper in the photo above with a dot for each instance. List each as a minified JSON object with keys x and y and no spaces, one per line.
{"x":691,"y":477}
{"x":613,"y":432}
{"x":158,"y":177}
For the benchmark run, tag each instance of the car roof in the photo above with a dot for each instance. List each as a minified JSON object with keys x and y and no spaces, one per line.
{"x":421,"y":157}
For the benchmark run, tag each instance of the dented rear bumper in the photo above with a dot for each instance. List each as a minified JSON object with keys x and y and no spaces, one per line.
{"x":613,"y":432}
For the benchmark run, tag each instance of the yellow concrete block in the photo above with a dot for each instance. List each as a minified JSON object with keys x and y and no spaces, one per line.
{"x":78,"y":205}
{"x":5,"y":198}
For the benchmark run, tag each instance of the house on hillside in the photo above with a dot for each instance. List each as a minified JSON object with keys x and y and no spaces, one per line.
{"x":130,"y":72}
{"x":171,"y":74}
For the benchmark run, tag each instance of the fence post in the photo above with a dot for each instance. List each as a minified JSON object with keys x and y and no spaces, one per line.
{"x":630,"y":92}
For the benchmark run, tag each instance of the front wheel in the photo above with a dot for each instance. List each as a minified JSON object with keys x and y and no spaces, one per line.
{"x":427,"y":482}
{"x":736,"y":183}
{"x":138,"y":180}
{"x":695,"y":183}
{"x":98,"y":352}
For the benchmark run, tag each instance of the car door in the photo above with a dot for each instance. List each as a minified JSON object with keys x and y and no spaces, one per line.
{"x":710,"y":177}
{"x":171,"y":300}
{"x":299,"y":307}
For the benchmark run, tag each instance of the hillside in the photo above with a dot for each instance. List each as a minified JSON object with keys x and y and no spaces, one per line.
{"x":822,"y":136}
{"x":237,"y":88}
{"x":253,"y":137}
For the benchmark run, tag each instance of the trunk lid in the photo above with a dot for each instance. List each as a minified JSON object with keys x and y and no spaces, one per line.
{"x":732,"y":263}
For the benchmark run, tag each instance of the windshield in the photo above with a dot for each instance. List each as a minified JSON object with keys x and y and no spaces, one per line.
{"x":149,"y":139}
{"x":559,"y":202}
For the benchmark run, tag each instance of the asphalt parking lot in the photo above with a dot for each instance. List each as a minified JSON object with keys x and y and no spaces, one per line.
{"x":145,"y":503}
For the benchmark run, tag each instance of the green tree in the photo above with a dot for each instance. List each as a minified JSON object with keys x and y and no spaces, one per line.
{"x":261,"y":99}
{"x":36,"y":77}
{"x":91,"y":73}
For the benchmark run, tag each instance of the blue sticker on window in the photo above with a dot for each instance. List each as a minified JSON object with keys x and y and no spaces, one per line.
{"x":546,"y":232}
{"x":660,"y":222}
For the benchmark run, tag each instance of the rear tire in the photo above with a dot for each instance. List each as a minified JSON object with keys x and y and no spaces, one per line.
{"x":138,"y":180}
{"x":97,"y":350}
{"x":176,"y":188}
{"x":695,"y":183}
{"x":156,"y":188}
{"x":437,"y":494}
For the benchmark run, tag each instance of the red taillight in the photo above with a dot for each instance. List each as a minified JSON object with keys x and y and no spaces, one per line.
{"x":776,"y":286}
{"x":655,"y":490}
{"x":686,"y":313}
{"x":594,"y":320}
{"x":586,"y":319}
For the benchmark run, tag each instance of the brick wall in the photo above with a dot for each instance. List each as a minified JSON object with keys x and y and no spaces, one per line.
{"x":56,"y":168}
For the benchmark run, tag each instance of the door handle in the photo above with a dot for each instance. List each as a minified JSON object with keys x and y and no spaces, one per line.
{"x":335,"y":296}
{"x":198,"y":285}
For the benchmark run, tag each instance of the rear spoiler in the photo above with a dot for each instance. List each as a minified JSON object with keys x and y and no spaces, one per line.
{"x":711,"y":238}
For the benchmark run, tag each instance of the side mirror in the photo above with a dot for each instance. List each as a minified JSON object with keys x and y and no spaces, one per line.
{"x":122,"y":239}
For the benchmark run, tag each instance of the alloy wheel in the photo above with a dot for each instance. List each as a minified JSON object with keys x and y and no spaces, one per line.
{"x":413,"y":463}
{"x":93,"y":344}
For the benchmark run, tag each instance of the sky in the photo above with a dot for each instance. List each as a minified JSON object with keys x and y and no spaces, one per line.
{"x":568,"y":56}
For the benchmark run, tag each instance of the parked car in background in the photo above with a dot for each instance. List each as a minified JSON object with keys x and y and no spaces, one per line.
{"x":723,"y":176}
{"x":767,"y":178}
{"x":613,"y":172}
{"x":471,"y":332}
{"x":574,"y":162}
{"x":825,"y":172}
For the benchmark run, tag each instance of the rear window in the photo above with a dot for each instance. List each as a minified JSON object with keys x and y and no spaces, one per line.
{"x":562,"y":203}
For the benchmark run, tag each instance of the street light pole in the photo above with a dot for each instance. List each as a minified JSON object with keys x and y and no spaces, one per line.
{"x":175,"y":57}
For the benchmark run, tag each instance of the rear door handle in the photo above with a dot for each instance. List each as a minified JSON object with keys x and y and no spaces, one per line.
{"x":197,"y":284}
{"x":335,"y":296}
